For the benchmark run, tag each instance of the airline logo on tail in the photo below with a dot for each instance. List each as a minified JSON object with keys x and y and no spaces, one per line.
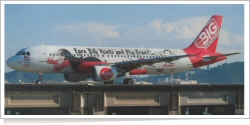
{"x":209,"y":33}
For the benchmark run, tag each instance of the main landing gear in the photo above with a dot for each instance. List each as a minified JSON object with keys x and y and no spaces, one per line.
{"x":40,"y":75}
{"x":128,"y":81}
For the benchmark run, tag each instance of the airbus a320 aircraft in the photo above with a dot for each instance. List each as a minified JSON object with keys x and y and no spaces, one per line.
{"x":105,"y":64}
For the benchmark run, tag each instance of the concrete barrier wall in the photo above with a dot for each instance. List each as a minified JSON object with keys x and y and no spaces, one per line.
{"x":93,"y":102}
{"x":206,"y":98}
{"x":136,"y":99}
{"x":37,"y":99}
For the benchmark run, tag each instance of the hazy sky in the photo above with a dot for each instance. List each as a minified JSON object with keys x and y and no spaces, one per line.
{"x":169,"y":26}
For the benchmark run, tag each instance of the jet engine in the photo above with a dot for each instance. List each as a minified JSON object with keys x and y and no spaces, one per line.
{"x":104,"y":73}
{"x":71,"y":77}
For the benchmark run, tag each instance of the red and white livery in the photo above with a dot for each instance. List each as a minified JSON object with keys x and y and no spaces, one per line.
{"x":105,"y":64}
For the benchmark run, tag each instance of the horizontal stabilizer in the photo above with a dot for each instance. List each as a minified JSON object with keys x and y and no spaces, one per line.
{"x":221,"y":55}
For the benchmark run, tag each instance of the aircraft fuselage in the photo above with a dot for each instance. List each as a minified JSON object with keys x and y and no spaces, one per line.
{"x":77,"y":59}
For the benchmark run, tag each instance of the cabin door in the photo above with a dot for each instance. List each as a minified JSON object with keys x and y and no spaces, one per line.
{"x":42,"y":55}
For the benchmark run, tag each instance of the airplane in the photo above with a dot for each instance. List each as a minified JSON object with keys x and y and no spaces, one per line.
{"x":105,"y":64}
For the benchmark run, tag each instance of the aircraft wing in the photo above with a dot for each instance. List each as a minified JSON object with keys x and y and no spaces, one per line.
{"x":213,"y":57}
{"x":138,"y":63}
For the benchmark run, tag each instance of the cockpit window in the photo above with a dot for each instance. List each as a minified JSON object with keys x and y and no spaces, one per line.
{"x":23,"y":53}
{"x":20,"y":53}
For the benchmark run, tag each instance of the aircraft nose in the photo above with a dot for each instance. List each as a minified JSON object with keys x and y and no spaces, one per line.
{"x":14,"y":63}
{"x":10,"y":63}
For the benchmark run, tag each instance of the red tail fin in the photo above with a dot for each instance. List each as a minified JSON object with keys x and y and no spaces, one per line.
{"x":208,"y":37}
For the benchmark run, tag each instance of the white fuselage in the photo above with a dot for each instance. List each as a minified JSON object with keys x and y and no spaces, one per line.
{"x":48,"y":59}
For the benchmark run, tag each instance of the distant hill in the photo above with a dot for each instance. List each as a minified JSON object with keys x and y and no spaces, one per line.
{"x":225,"y":73}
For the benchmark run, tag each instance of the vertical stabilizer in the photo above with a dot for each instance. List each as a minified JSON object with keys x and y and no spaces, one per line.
{"x":208,"y":37}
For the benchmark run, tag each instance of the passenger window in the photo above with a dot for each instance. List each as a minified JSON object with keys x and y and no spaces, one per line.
{"x":28,"y":53}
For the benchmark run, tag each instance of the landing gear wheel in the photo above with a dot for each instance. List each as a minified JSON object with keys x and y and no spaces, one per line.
{"x":40,"y":76}
{"x":128,"y":81}
{"x":38,"y":82}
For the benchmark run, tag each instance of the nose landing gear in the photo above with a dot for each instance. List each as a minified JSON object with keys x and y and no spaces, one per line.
{"x":40,"y":75}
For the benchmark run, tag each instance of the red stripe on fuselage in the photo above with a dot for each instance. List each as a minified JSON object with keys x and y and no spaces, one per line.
{"x":85,"y":67}
{"x":138,"y":71}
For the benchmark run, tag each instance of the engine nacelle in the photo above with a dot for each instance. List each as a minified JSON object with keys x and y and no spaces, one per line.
{"x":104,"y":73}
{"x":70,"y":77}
